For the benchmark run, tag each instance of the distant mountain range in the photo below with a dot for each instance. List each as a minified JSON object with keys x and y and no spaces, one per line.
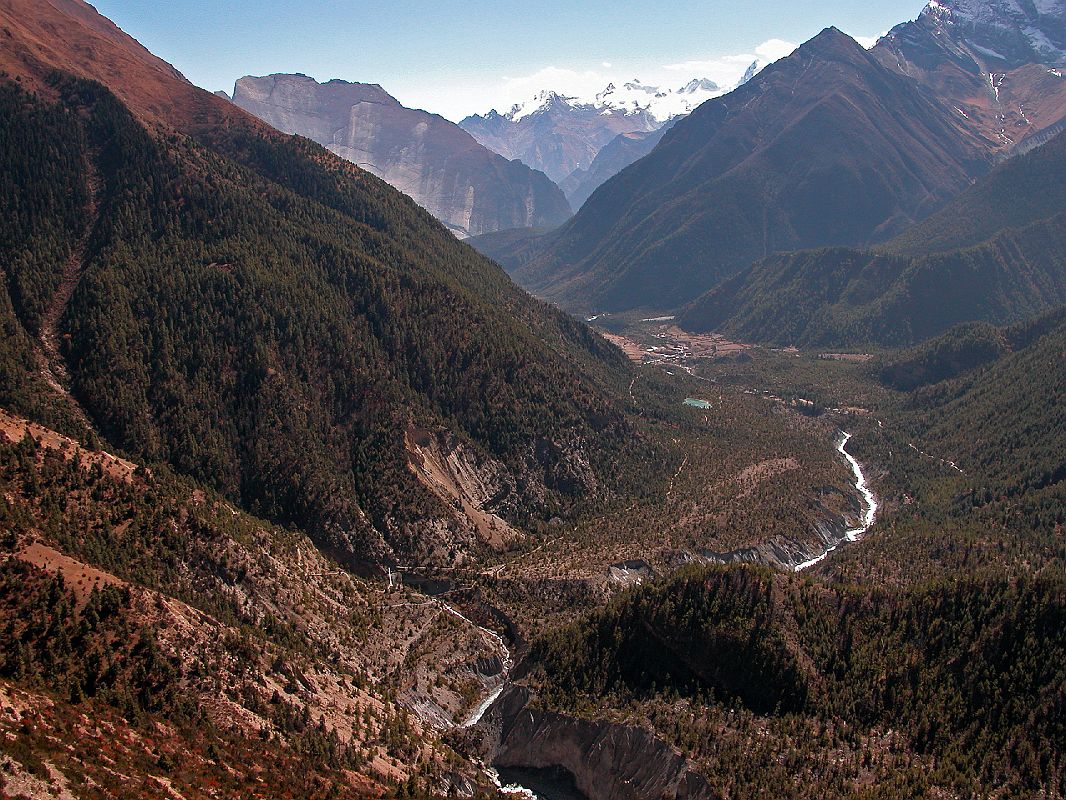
{"x":468,"y":187}
{"x":615,"y":156}
{"x":490,"y":173}
{"x":825,"y":146}
{"x":563,"y":136}
{"x":834,"y":145}
{"x":633,"y":97}
{"x":556,"y":134}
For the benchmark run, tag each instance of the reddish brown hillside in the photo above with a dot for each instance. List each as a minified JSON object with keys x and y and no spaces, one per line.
{"x":43,"y":35}
{"x":1011,"y":101}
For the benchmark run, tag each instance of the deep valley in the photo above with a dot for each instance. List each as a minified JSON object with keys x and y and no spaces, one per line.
{"x":746,"y":480}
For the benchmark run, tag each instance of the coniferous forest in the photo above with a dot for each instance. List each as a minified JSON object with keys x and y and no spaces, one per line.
{"x":303,"y":497}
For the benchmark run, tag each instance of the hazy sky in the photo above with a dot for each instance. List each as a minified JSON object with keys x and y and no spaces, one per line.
{"x":457,"y":57}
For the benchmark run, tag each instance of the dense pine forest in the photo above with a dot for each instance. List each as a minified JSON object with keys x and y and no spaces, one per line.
{"x":925,"y":661}
{"x":272,"y":328}
{"x":805,"y":690}
{"x":301,"y":497}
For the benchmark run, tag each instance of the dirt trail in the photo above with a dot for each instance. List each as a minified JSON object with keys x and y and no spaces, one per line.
{"x":53,"y":366}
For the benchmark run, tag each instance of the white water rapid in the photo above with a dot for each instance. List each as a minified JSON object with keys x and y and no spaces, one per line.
{"x":869,"y":514}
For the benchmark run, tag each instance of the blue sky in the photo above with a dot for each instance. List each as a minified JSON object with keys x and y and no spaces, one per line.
{"x":457,"y":57}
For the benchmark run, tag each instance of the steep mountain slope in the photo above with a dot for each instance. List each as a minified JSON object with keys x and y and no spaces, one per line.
{"x":71,"y":36}
{"x":272,"y":320}
{"x":961,"y":350}
{"x":559,"y":135}
{"x":823,"y":147}
{"x":210,"y":650}
{"x":995,"y":62}
{"x":466,"y":186}
{"x":1025,"y":189}
{"x":995,"y":254}
{"x":1004,"y":423}
{"x":1016,"y":32}
{"x":615,"y":156}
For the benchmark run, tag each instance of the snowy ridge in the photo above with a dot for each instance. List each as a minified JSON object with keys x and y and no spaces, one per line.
{"x":995,"y":11}
{"x":634,"y":97}
{"x":988,"y":25}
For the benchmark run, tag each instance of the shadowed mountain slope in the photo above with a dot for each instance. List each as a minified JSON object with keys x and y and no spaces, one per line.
{"x":996,"y":254}
{"x":824,"y":147}
{"x":271,"y":320}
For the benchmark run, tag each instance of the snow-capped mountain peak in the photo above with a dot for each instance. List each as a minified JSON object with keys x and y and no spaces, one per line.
{"x":751,"y":72}
{"x":992,"y":11}
{"x":633,"y":97}
{"x":637,"y":86}
{"x":542,"y":101}
{"x":659,"y":102}
{"x":699,"y":85}
{"x":1008,"y":30}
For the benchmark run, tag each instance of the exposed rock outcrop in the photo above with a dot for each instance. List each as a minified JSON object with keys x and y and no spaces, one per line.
{"x":475,"y":488}
{"x":466,"y":186}
{"x":824,"y":534}
{"x":606,"y":761}
{"x":995,"y":62}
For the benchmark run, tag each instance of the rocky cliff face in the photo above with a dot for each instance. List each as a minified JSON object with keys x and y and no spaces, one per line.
{"x":1015,"y":32}
{"x":605,"y":761}
{"x":466,"y":186}
{"x":825,"y":533}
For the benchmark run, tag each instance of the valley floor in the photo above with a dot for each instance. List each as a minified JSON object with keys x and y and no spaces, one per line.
{"x":255,"y":642}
